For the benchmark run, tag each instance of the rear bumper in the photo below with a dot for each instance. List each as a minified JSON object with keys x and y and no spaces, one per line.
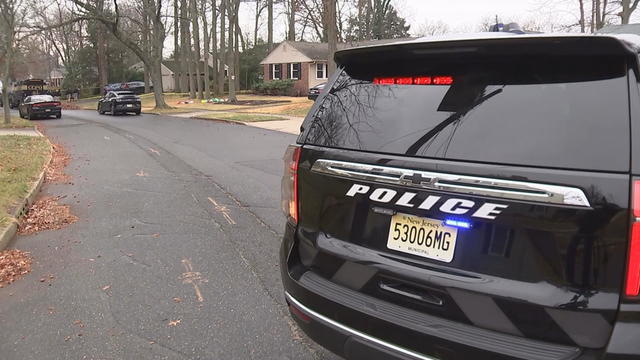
{"x":357,"y":326}
{"x":44,"y":112}
{"x":127,"y":107}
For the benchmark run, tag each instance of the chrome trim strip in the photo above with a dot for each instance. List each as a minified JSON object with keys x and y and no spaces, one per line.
{"x":473,"y":185}
{"x":326,"y":320}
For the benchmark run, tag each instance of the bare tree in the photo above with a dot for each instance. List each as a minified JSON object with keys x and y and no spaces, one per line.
{"x":628,"y":7}
{"x":291,"y":8}
{"x":177,"y":77}
{"x":112,"y":21}
{"x":223,"y":51}
{"x":101,"y":53}
{"x":232,"y":12}
{"x":261,"y":5}
{"x":205,"y":34}
{"x":197,"y":55}
{"x":331,"y":29}
{"x":429,"y":28}
{"x":214,"y":44}
{"x":187,"y":50}
{"x":270,"y":24}
{"x":12,"y":14}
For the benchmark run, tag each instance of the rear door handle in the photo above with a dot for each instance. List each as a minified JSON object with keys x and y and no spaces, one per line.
{"x":420,"y":295}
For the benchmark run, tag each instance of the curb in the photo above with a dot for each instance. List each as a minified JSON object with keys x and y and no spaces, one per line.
{"x":7,"y":235}
{"x":219,"y":120}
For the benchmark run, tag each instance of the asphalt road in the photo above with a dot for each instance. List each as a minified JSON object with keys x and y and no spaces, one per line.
{"x":174,"y":256}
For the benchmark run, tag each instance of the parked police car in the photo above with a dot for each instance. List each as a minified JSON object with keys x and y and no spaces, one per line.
{"x":470,"y":198}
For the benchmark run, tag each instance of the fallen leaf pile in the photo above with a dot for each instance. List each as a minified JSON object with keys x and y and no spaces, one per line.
{"x":13,"y":265}
{"x":54,"y":173}
{"x":46,"y":214}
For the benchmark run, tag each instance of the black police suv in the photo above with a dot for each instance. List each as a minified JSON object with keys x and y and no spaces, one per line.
{"x":474,"y":198}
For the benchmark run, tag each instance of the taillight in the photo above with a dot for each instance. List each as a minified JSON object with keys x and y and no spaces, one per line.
{"x":632,"y":288}
{"x":290,"y":183}
{"x":414,"y":80}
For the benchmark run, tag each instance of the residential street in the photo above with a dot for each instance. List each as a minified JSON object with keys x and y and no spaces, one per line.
{"x":174,"y":255}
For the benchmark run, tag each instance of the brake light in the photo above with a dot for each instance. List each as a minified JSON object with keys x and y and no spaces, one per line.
{"x":415,"y":80}
{"x":632,"y":288}
{"x":290,"y":182}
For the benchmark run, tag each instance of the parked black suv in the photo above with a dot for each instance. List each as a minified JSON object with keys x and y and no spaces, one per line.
{"x":470,"y":199}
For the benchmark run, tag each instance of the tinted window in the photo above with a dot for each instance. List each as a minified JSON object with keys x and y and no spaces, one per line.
{"x":557,"y":112}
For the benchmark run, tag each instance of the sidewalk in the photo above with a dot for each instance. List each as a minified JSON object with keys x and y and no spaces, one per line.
{"x":22,"y":132}
{"x":291,"y":125}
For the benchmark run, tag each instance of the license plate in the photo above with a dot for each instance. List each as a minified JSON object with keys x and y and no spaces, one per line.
{"x":47,"y":110}
{"x":129,"y":105}
{"x":424,"y":237}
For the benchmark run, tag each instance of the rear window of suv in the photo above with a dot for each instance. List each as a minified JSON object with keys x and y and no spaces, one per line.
{"x":553,"y":111}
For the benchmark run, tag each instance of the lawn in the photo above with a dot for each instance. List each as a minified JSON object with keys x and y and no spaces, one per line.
{"x":15,"y":123}
{"x":241,"y":117}
{"x":299,"y":108}
{"x":22,"y":159}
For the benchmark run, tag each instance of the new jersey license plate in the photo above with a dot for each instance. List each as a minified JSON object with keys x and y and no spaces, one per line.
{"x":424,"y":237}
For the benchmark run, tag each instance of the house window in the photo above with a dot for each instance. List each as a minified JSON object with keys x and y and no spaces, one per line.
{"x":294,"y":71}
{"x":321,"y":71}
{"x":276,"y":71}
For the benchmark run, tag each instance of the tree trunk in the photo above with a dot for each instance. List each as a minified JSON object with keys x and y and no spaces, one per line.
{"x":582,"y":24}
{"x":156,"y":54}
{"x":189,"y":55}
{"x":627,"y":9}
{"x":146,"y":49}
{"x":223,"y":53}
{"x":214,"y":45}
{"x":332,"y":39}
{"x":257,"y":22}
{"x":197,"y":56}
{"x":101,"y":44}
{"x":5,"y":83}
{"x":177,"y":76}
{"x":291,"y":34}
{"x":270,"y":24}
{"x":236,"y":51}
{"x":231,"y":11}
{"x":205,"y":33}
{"x":184,"y":51}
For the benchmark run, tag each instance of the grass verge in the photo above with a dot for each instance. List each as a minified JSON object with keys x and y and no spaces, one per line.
{"x":242,"y":117}
{"x":16,"y":123}
{"x":22,"y":158}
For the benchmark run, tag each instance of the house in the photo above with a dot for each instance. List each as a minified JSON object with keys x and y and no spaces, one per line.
{"x":169,"y":70}
{"x":304,"y":62}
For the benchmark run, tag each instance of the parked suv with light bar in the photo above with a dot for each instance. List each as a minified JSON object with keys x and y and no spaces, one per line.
{"x":470,"y":198}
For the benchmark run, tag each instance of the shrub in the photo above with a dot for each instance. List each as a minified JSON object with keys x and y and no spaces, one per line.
{"x":275,"y":87}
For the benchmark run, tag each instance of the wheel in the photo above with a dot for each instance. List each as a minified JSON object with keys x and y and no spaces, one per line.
{"x":138,"y":112}
{"x":100,"y":109}
{"x":58,"y":116}
{"x":30,"y":116}
{"x":113,"y":109}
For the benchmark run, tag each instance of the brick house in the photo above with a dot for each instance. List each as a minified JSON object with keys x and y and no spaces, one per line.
{"x":304,"y":62}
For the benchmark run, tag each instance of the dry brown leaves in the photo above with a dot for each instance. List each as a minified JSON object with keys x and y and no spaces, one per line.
{"x":54,"y":173}
{"x":46,"y":214}
{"x":13,"y":265}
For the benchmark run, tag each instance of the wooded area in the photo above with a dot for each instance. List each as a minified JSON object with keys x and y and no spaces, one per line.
{"x":97,"y":42}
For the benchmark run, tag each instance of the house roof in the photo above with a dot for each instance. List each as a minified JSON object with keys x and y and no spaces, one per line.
{"x":173,"y":65}
{"x":312,"y":51}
